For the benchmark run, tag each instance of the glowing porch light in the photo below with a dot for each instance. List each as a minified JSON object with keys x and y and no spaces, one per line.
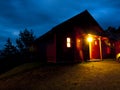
{"x":68,"y":42}
{"x":90,"y":38}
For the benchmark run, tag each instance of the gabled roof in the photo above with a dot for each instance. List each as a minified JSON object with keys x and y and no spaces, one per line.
{"x":83,"y":20}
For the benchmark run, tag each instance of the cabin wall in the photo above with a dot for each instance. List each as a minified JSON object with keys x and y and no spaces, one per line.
{"x":63,"y":53}
{"x":81,"y":47}
{"x":51,"y":50}
{"x":46,"y":49}
{"x":78,"y":49}
{"x":40,"y":53}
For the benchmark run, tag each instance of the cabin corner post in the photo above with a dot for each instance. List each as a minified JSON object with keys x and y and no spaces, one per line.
{"x":100,"y":46}
{"x":90,"y":50}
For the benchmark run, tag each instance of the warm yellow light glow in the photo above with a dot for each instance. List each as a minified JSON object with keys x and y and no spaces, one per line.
{"x":68,"y":39}
{"x":78,"y":43}
{"x":68,"y":42}
{"x":118,"y":56}
{"x":95,"y":42}
{"x":68,"y":45}
{"x":89,"y":39}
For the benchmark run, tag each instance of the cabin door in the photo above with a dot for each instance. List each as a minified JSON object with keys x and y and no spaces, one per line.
{"x":94,"y":49}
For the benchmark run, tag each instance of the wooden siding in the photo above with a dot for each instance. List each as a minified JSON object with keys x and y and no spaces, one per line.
{"x":51,"y":51}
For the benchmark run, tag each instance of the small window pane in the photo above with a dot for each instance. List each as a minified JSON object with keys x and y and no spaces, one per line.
{"x":68,"y":42}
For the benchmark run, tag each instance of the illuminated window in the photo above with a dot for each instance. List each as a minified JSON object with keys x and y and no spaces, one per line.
{"x":68,"y":42}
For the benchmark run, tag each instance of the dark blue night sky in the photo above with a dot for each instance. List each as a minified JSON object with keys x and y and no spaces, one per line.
{"x":42,"y":15}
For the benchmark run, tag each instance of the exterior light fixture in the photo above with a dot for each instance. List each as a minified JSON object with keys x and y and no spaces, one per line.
{"x":89,"y":39}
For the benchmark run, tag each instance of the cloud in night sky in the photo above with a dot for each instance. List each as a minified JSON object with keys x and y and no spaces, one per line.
{"x":42,"y":15}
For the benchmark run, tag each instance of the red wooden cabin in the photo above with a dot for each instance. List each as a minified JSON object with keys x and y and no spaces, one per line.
{"x":78,"y":39}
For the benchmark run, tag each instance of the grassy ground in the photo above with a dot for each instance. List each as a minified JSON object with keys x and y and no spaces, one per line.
{"x":104,"y":75}
{"x":20,"y":69}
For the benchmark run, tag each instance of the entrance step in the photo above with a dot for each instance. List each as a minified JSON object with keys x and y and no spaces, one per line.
{"x":95,"y":60}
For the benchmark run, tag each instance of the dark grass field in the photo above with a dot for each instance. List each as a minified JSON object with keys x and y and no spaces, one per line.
{"x":103,"y":75}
